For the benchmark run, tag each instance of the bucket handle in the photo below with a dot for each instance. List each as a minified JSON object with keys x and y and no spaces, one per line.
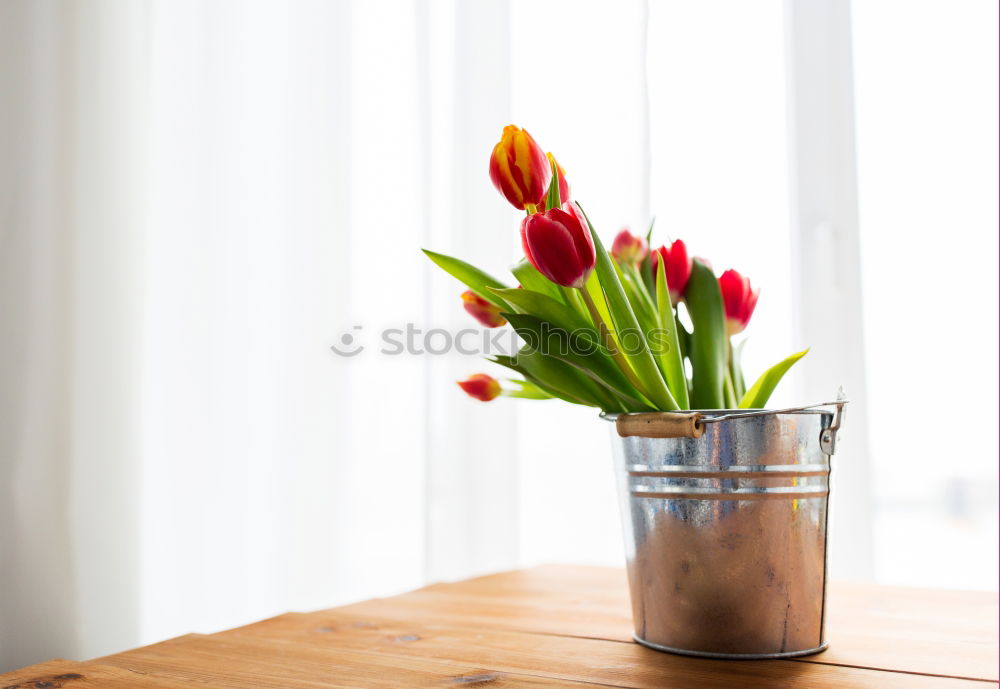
{"x":661,"y":425}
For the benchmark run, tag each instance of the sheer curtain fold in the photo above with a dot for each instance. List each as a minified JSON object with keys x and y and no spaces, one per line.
{"x":198,"y":200}
{"x":72,"y":198}
{"x":38,"y":602}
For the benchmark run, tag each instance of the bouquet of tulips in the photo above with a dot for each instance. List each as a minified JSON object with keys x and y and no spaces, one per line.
{"x":606,"y":329}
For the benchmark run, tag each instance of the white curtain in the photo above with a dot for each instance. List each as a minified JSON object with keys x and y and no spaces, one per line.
{"x":198,"y":199}
{"x":72,"y":132}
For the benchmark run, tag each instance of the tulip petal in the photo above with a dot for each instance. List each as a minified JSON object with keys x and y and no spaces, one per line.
{"x":519,"y":168}
{"x":550,"y":243}
{"x":678,"y":270}
{"x":739,"y":298}
{"x":481,"y":387}
{"x":487,"y":313}
{"x":583,"y":240}
{"x":629,"y":248}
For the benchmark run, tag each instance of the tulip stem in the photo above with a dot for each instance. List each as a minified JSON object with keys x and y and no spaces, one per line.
{"x":609,"y":343}
{"x":729,"y":391}
{"x":531,"y":208}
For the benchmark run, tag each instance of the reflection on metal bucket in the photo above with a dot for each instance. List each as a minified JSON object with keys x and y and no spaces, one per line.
{"x":725,"y":534}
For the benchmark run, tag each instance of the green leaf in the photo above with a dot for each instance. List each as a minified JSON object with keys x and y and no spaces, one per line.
{"x":633,"y":340}
{"x":579,"y":350}
{"x":557,"y":378}
{"x":708,"y":341}
{"x":511,"y":363}
{"x":525,"y":389}
{"x":758,"y":394}
{"x":646,"y":267}
{"x":639,"y":299}
{"x":593,"y":288}
{"x":671,"y":360}
{"x":566,"y":378}
{"x":553,"y":200}
{"x":683,"y":336}
{"x":475,"y":279}
{"x":546,"y":308}
{"x":529,"y":278}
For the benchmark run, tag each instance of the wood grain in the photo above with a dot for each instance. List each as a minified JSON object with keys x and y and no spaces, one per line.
{"x":610,"y":663}
{"x":546,"y":627}
{"x":68,"y":674}
{"x":237,"y":663}
{"x":947,"y":633}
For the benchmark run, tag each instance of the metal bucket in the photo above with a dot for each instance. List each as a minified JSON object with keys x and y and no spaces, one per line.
{"x":725,"y":521}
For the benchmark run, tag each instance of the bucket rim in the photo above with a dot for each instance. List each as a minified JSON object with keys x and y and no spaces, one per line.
{"x":708,"y":413}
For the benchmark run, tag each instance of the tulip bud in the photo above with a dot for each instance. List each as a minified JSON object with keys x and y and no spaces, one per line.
{"x":480,"y":386}
{"x":563,"y":184}
{"x":558,"y":244}
{"x":628,"y":248}
{"x":676,"y":266}
{"x":519,"y":169}
{"x":483,"y":311}
{"x":739,"y":298}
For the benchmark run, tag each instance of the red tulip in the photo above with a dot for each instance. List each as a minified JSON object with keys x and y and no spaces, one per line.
{"x":563,"y":184}
{"x":629,"y":248}
{"x":739,"y":298}
{"x":480,"y":386}
{"x":676,"y":266}
{"x":519,"y":169}
{"x":558,"y":243}
{"x":483,"y":311}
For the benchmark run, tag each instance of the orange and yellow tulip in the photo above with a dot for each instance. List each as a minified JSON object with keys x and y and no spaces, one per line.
{"x":481,"y":387}
{"x":483,"y":311}
{"x":519,"y":169}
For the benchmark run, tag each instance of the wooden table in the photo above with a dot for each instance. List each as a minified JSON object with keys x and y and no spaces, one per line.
{"x":554,"y":626}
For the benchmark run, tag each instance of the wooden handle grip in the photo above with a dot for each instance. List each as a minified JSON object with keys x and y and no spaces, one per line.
{"x":660,"y":425}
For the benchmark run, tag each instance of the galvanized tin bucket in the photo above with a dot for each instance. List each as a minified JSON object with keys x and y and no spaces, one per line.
{"x":725,"y":521}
